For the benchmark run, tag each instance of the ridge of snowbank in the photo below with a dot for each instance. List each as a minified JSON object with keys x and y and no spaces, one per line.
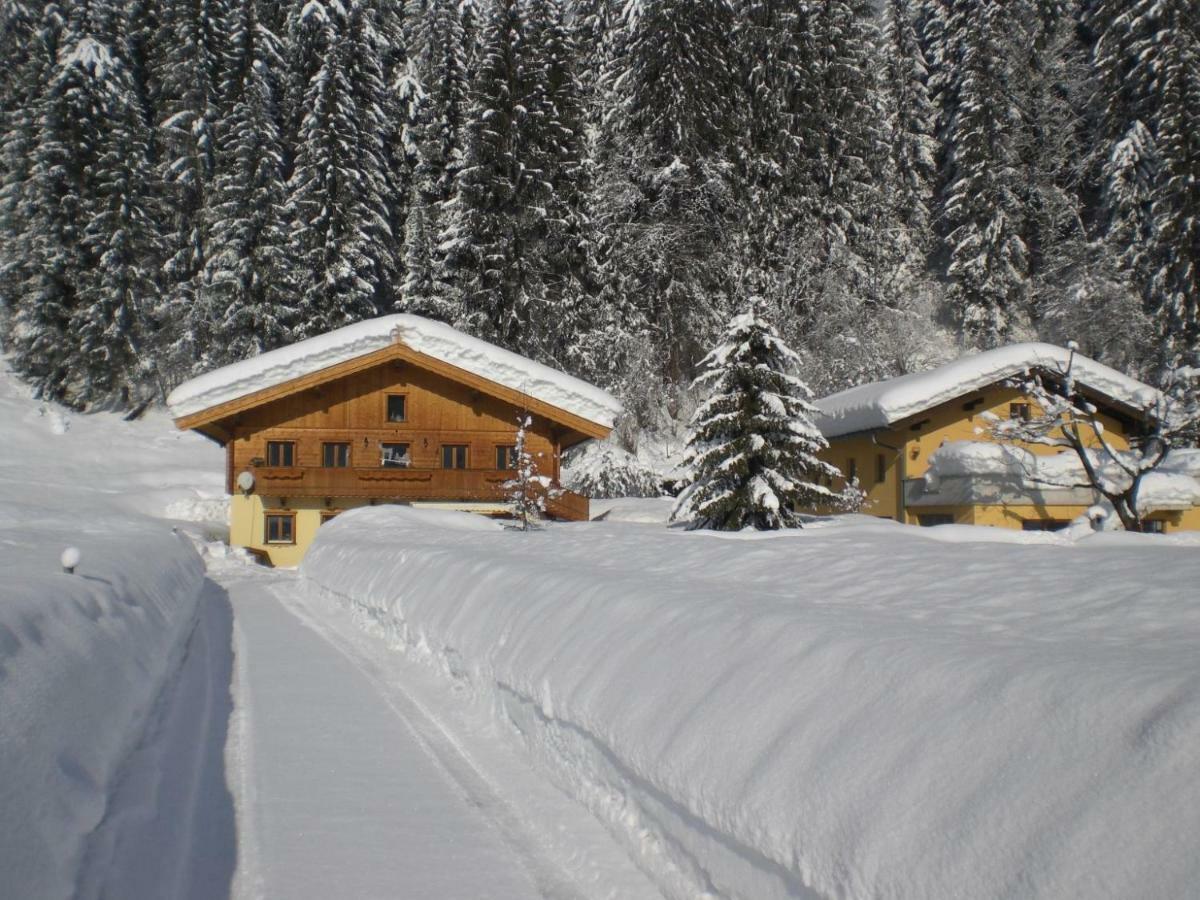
{"x":82,"y":660}
{"x":847,"y":711}
{"x":416,"y":332}
{"x":882,"y":403}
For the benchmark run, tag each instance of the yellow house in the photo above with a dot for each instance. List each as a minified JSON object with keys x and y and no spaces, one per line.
{"x":886,"y":435}
{"x":398,"y":409}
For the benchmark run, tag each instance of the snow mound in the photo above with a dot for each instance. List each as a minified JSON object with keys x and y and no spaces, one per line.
{"x":423,"y":335}
{"x":851,"y":711}
{"x":881,"y":403}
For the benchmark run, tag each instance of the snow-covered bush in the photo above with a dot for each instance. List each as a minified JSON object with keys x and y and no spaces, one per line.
{"x":602,"y":471}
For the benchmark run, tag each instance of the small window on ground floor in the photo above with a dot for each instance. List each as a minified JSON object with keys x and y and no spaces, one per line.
{"x":1155,"y":526}
{"x":880,"y":468}
{"x":928,"y":520}
{"x":454,"y":456}
{"x":335,"y":455}
{"x":851,"y":469}
{"x":328,"y":514}
{"x":281,"y":528}
{"x":1019,"y":411}
{"x":281,"y":453}
{"x":394,"y":455}
{"x":506,"y":457}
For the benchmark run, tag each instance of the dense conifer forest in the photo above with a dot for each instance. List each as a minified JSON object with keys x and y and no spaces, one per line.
{"x":598,"y":184}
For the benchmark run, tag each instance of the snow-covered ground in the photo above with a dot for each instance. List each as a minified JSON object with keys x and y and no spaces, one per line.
{"x":859,"y":710}
{"x":84,"y":657}
{"x":434,"y":707}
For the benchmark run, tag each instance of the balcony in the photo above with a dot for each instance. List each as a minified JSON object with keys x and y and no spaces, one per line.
{"x":403,"y":484}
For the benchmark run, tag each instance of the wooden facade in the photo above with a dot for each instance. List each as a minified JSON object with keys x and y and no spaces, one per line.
{"x":392,"y":426}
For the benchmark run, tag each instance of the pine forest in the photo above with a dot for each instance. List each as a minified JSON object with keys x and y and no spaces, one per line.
{"x":598,"y":184}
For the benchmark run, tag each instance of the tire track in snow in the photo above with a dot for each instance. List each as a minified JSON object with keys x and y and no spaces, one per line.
{"x":446,"y":752}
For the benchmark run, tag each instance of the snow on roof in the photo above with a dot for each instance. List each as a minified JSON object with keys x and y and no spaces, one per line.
{"x":426,"y":336}
{"x":882,"y":403}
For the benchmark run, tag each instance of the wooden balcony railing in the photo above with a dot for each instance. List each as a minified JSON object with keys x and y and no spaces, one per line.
{"x":388,"y":483}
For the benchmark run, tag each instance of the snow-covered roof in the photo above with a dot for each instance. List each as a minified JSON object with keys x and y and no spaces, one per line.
{"x":883,"y":403}
{"x":426,"y":336}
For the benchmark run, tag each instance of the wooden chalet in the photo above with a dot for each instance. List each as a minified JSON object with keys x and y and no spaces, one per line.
{"x":399,"y":409}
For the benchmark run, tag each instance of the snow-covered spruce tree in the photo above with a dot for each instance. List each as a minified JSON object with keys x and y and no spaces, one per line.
{"x":248,"y":285}
{"x":83,"y":313}
{"x":666,"y":201}
{"x":339,"y":242}
{"x":752,"y":452}
{"x":434,"y":94}
{"x":526,"y":491}
{"x":188,"y":63}
{"x":989,"y":264}
{"x":487,"y":219}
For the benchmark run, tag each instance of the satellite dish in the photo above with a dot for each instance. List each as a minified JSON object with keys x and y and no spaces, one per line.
{"x":245,"y":482}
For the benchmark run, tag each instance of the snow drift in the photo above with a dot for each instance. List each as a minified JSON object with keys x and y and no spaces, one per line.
{"x":84,"y":657}
{"x":853,"y":711}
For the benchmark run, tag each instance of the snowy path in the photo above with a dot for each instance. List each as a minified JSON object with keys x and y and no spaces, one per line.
{"x":346,"y":787}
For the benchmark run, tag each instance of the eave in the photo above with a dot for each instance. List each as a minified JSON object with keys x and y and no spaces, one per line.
{"x":210,"y":421}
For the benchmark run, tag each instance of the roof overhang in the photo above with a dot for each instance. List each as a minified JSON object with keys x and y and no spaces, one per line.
{"x":213,"y":421}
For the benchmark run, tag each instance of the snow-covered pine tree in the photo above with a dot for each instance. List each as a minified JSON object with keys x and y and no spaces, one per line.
{"x":339,"y":240}
{"x":248,"y":283}
{"x":487,"y":218}
{"x":752,"y":450}
{"x":84,"y":311}
{"x":667,"y":197}
{"x":188,"y":63}
{"x":988,"y":257}
{"x":434,"y":94}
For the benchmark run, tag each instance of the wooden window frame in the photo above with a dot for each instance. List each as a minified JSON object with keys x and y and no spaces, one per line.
{"x":509,"y":457}
{"x":466,"y":448}
{"x":387,"y":412}
{"x":1021,"y":412}
{"x":327,"y":514}
{"x":407,"y":445}
{"x":325,"y":445}
{"x":292,"y":452}
{"x":278,"y":514}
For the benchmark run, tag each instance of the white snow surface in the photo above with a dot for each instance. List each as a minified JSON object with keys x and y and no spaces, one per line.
{"x":423,"y":335}
{"x":1172,"y":486}
{"x":84,"y":656}
{"x":859,"y":711}
{"x":881,"y":403}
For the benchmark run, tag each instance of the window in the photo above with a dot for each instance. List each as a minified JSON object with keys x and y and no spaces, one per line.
{"x":851,"y":469}
{"x":281,"y":528}
{"x":1155,"y":526}
{"x":281,"y":453}
{"x":397,"y":408}
{"x":335,"y":456}
{"x":880,"y":468}
{"x":395,"y":455}
{"x":506,"y":457}
{"x":454,"y":456}
{"x":1019,"y":411}
{"x":928,"y":520}
{"x":328,"y":514}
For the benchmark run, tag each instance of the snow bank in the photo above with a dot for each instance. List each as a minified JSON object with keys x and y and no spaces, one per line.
{"x":423,"y":335}
{"x":882,"y":403}
{"x":83,"y":657}
{"x":850,"y":711}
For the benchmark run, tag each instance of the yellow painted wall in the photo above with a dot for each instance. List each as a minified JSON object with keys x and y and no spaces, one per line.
{"x":247,"y":522}
{"x":963,"y":419}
